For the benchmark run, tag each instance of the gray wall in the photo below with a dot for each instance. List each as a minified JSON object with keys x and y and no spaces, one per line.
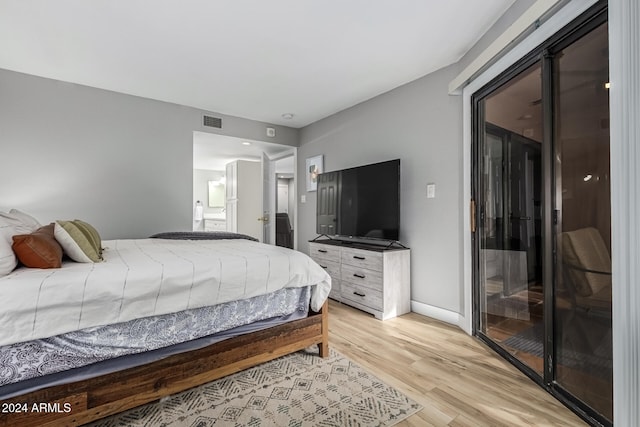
{"x":422,"y":125}
{"x":120,"y":162}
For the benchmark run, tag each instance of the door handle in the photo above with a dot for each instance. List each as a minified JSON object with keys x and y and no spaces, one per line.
{"x":519,"y":218}
{"x":472,"y":208}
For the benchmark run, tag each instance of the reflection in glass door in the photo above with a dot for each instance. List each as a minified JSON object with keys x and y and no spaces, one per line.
{"x":511,"y":286}
{"x":583,"y":230}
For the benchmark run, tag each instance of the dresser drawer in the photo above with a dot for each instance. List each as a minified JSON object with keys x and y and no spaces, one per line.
{"x":328,"y":252}
{"x":364,"y":259}
{"x":331,"y":267}
{"x":362,"y":295}
{"x":361,"y":277}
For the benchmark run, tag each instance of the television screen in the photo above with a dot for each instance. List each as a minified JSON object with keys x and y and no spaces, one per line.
{"x":360,"y":202}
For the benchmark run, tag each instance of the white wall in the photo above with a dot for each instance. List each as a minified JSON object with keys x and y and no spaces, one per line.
{"x":283,"y":196}
{"x":420,"y":124}
{"x":120,"y":162}
{"x":292,"y":200}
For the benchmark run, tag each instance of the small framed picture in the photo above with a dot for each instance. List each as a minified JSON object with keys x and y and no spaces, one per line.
{"x":314,"y":167}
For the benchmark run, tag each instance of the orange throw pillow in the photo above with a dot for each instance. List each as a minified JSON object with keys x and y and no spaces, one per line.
{"x":38,"y":249}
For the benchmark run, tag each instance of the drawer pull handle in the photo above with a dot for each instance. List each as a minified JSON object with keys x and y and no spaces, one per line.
{"x":361,"y":258}
{"x":322,"y":251}
{"x":323,"y":266}
{"x":359,"y":276}
{"x":359,"y":294}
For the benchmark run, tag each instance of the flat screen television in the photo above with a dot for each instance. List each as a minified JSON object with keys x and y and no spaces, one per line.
{"x":361,"y":202}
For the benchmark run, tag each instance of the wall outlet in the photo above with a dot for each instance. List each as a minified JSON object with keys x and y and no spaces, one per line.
{"x":303,"y":198}
{"x":271,"y":132}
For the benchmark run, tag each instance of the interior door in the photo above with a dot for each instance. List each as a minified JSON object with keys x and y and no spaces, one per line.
{"x":327,"y":211}
{"x":268,"y":199}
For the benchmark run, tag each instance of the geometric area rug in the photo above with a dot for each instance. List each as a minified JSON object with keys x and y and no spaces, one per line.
{"x":297,"y":390}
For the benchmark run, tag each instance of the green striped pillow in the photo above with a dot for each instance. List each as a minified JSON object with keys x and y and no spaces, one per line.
{"x":79,"y":240}
{"x":88,"y":229}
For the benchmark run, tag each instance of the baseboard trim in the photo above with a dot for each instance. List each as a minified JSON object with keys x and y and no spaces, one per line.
{"x":438,"y":313}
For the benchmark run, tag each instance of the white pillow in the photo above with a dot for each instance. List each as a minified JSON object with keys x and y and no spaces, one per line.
{"x":20,"y":222}
{"x":27,"y":220}
{"x":8,"y":260}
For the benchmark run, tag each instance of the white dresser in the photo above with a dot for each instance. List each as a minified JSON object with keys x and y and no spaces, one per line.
{"x":374,"y":279}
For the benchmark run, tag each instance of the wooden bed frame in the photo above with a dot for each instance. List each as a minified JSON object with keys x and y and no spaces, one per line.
{"x":88,"y":400}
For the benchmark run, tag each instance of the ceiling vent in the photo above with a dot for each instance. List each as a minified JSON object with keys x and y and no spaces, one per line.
{"x":212,"y":122}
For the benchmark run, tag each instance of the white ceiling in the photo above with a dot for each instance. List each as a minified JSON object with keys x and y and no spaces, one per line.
{"x":256,"y":59}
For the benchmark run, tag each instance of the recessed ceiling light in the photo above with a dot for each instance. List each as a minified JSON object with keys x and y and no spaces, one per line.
{"x":287,"y":116}
{"x":246,"y":143}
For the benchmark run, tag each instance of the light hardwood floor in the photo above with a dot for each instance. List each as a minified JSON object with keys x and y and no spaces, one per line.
{"x":458,"y":380}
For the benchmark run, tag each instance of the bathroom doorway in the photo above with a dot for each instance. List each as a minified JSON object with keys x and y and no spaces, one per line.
{"x":215,"y":165}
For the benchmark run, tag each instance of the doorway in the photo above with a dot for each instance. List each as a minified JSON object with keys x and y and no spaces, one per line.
{"x":541,"y":249}
{"x":285,"y":202}
{"x":257,"y":164}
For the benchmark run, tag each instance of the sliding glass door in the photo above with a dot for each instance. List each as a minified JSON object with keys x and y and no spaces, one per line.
{"x":542,"y":264}
{"x":583,"y":215}
{"x":509,"y":227}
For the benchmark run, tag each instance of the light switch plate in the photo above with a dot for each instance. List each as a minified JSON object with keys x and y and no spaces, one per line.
{"x":431,"y":191}
{"x":303,"y":198}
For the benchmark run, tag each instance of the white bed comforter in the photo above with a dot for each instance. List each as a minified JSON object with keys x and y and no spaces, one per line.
{"x":148,"y":277}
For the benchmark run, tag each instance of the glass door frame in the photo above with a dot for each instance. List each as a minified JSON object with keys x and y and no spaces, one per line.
{"x":544,"y":54}
{"x":477,"y":129}
{"x":587,"y":23}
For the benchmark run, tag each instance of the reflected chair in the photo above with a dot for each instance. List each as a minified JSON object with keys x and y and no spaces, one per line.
{"x":586,"y":266}
{"x":284,"y":232}
{"x":585,"y":329}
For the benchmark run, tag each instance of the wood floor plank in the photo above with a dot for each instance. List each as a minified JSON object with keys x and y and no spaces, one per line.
{"x":457,"y":379}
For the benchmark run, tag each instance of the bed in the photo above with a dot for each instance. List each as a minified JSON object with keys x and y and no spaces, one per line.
{"x":156,"y":317}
